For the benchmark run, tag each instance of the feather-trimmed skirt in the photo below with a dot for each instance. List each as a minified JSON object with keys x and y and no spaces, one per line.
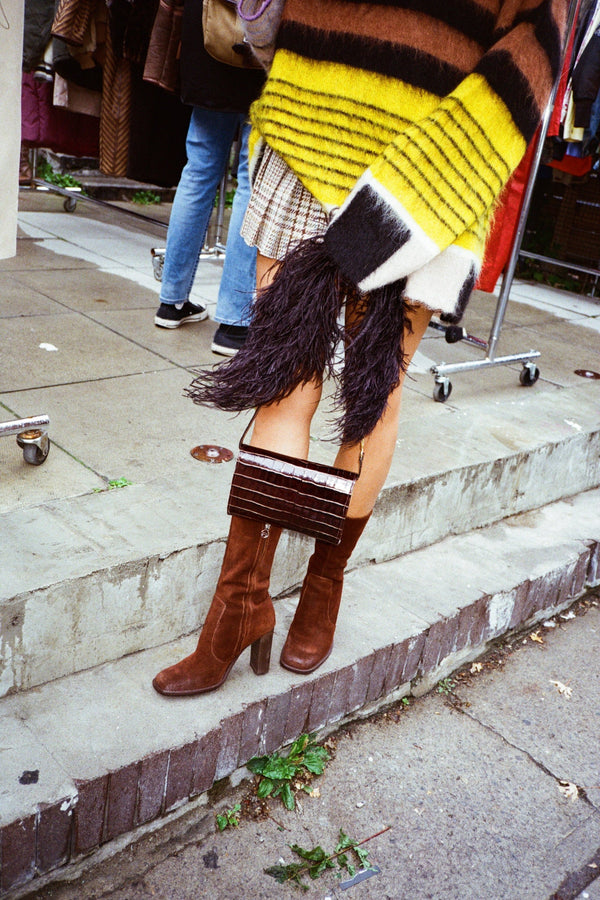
{"x":296,"y":319}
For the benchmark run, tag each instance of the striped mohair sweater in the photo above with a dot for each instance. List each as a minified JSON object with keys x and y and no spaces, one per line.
{"x":404,"y":118}
{"x":407,"y":117}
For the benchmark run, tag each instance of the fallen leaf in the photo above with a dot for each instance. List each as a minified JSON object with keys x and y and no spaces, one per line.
{"x":314,"y":793}
{"x":563,"y":689}
{"x":536,"y":637}
{"x":592,"y":866}
{"x":476,"y":667}
{"x":570,"y":790}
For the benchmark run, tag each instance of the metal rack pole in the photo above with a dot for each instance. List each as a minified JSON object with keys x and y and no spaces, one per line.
{"x":530,"y":372}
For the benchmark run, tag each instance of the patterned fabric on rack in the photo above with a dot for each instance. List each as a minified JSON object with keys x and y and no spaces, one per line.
{"x":115,"y":115}
{"x":72,"y":19}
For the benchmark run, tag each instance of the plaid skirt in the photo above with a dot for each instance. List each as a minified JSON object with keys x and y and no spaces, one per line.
{"x":281,"y":211}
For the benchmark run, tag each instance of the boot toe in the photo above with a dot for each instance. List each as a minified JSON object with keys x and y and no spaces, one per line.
{"x":167,"y":682}
{"x":302,"y":663}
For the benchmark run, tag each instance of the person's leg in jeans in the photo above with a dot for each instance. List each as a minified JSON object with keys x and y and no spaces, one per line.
{"x":239,"y":269}
{"x":208,"y":142}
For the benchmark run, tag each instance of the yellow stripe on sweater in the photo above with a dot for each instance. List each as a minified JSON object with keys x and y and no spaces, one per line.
{"x":445,"y":169}
{"x":330,"y":136}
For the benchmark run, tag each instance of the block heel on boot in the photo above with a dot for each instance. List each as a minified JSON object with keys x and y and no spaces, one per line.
{"x":260,"y":654}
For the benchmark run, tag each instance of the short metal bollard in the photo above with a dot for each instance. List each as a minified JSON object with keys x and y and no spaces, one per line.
{"x":32,"y":437}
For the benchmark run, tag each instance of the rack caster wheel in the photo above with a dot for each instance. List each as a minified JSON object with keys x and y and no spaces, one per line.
{"x":158,"y":262}
{"x":442,"y":390}
{"x":35,"y":446}
{"x":70,"y":204}
{"x":454,"y":334}
{"x":529,"y":374}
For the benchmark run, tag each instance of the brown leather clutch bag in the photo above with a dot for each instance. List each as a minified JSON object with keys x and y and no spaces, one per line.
{"x":297,"y":494}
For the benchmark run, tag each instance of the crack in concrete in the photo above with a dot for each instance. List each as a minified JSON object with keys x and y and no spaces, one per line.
{"x":575,"y":882}
{"x":582,"y":793}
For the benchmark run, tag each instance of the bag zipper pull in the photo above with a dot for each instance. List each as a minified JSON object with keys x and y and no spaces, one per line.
{"x":266,"y":531}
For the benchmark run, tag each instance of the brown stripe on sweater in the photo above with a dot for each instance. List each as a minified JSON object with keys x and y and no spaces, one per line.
{"x":534,"y":65}
{"x":411,"y":29}
{"x":474,"y":18}
{"x":506,"y":80}
{"x":420,"y":70}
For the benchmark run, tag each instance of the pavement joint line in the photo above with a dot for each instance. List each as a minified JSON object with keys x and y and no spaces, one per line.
{"x":578,"y":881}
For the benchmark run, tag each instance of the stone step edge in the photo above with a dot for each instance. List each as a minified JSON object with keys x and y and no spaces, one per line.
{"x":408,"y":517}
{"x":138,"y":795}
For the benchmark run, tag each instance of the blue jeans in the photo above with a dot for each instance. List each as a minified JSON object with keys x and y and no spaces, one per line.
{"x":208,"y":143}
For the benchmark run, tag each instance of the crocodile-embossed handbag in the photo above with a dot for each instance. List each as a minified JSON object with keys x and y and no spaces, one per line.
{"x":303,"y":496}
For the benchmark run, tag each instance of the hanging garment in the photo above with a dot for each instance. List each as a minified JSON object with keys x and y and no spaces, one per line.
{"x":162,"y":60}
{"x":504,"y":225}
{"x":36,"y":31}
{"x":115,"y":116}
{"x":72,"y":20}
{"x":45,"y":125}
{"x":158,"y":126}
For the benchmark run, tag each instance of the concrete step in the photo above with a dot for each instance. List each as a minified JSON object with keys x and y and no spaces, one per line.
{"x":91,"y":578}
{"x":101,"y":584}
{"x":97,"y":756}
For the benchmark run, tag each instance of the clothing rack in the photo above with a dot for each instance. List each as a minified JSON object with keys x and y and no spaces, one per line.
{"x":530,"y":372}
{"x":73,"y":195}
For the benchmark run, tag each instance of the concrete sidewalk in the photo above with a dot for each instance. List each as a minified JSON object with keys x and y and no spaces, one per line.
{"x":490,"y":785}
{"x":99,"y":588}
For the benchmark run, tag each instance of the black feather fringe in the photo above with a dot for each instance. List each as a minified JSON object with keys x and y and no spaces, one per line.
{"x":374,"y":360}
{"x":293,"y":337}
{"x":291,"y":340}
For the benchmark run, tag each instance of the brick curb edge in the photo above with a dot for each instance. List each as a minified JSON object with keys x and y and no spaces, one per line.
{"x":144,"y":791}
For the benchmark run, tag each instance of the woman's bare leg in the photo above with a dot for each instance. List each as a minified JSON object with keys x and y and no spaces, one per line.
{"x":284,"y":426}
{"x":380,"y":444}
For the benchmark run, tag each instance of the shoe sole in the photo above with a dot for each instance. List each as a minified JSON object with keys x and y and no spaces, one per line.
{"x":169,"y":323}
{"x":224,"y":351}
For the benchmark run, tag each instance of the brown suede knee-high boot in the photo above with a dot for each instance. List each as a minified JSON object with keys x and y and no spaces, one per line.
{"x":310,"y":638}
{"x":241,"y":614}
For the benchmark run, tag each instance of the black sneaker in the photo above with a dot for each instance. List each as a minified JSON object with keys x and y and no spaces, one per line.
{"x":228,"y":339}
{"x":168,"y":316}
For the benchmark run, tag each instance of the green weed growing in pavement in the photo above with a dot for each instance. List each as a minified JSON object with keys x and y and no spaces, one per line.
{"x":230,"y":818}
{"x":113,"y":484}
{"x":145,"y":198}
{"x":281,"y":775}
{"x":45,"y":171}
{"x":348,"y":854}
{"x":445,"y":686}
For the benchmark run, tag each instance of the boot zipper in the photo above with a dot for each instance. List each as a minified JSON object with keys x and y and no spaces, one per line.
{"x":266,"y":531}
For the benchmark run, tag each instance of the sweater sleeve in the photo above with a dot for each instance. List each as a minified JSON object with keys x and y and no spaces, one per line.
{"x":442,"y":175}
